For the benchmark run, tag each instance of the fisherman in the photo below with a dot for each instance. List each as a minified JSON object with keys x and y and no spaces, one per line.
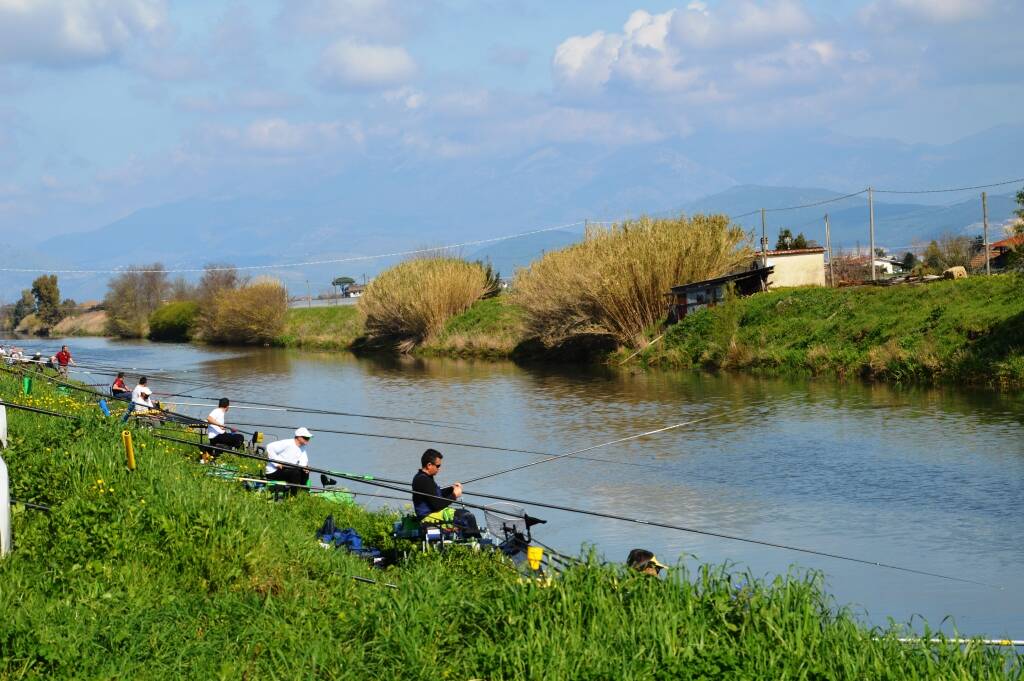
{"x":37,"y":360}
{"x":64,"y":358}
{"x":644,"y":562}
{"x":118,"y":389}
{"x":141,"y":396}
{"x":217,"y":433}
{"x":293,"y":451}
{"x":425,"y":491}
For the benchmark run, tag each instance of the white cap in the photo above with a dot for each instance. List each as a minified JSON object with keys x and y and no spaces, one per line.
{"x":302,"y":432}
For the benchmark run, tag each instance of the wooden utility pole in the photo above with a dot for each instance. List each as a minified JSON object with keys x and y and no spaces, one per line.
{"x":764,"y":242}
{"x":871,"y":210}
{"x":828,"y":247}
{"x":309,"y":296}
{"x":984,"y":219}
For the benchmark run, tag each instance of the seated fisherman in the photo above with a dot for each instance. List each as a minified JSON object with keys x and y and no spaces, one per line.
{"x":216,"y":431}
{"x":142,"y":396}
{"x":292,"y":452}
{"x":118,"y":389}
{"x":425,"y":491}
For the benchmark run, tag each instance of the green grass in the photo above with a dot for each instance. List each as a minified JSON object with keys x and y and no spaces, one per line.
{"x":321,"y":328}
{"x":971,"y":330}
{"x":490,"y":328}
{"x":166,"y":573}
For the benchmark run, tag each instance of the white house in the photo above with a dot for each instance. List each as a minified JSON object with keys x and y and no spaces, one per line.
{"x":797,"y":267}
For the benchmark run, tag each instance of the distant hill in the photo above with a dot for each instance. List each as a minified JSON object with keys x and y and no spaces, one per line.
{"x":397,"y":204}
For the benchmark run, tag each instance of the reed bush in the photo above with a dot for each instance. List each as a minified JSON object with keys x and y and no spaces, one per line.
{"x":253,"y":313}
{"x":410,"y":302}
{"x":614,"y":282}
{"x":166,"y":572}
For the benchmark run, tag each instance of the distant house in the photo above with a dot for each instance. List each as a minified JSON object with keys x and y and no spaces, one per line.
{"x":997,"y":253}
{"x":688,"y":298}
{"x":353,"y":290}
{"x":796,"y":267}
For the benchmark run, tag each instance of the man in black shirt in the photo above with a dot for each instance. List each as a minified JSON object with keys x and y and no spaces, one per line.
{"x":425,"y":491}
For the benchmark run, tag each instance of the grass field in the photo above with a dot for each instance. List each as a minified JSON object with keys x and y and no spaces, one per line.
{"x":168,"y":573}
{"x":321,"y":328}
{"x":970,"y":330}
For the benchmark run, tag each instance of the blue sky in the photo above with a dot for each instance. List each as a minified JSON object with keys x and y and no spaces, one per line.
{"x":107,"y":106}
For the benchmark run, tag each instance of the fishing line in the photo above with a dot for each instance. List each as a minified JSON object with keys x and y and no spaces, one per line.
{"x":451,"y":443}
{"x":386,"y":483}
{"x":587,"y":449}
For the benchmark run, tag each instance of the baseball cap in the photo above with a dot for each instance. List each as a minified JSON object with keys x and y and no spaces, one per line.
{"x":302,"y":432}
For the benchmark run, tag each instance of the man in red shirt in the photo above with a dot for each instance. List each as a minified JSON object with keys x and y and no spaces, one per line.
{"x":63,"y":360}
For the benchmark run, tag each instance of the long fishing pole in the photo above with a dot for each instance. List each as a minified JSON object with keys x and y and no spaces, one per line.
{"x":471,"y":445}
{"x":592,"y":447}
{"x":386,"y":483}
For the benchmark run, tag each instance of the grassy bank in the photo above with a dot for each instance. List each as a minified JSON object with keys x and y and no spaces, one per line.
{"x":321,"y":328}
{"x":165,"y":572}
{"x":970,"y":330}
{"x":491,"y":328}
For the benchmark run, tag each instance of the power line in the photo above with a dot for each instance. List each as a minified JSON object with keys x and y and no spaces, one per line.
{"x":952,"y":189}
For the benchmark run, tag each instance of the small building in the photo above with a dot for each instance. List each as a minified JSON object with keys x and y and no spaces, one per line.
{"x":997,"y":253}
{"x":688,"y":298}
{"x":796,"y":267}
{"x":353,"y":290}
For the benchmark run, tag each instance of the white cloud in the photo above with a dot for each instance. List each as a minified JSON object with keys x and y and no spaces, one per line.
{"x":408,"y":97}
{"x":676,"y":51}
{"x":932,"y":11}
{"x":387,"y":20}
{"x":55,"y":33}
{"x":278,"y":136}
{"x":348,"y":64}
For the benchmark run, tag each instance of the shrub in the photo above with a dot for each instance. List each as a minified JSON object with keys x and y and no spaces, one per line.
{"x":614,"y":282}
{"x":132,"y":297}
{"x":253,"y":313}
{"x":411,"y":301}
{"x":174,"y":321}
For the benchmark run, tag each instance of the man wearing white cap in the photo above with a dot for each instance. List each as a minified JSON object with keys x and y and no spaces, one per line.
{"x":284,"y":452}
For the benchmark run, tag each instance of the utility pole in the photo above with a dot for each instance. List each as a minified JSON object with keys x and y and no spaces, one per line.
{"x":764,"y":242}
{"x":871,"y":209}
{"x":828,"y":247}
{"x":309,"y":296}
{"x":984,"y":218}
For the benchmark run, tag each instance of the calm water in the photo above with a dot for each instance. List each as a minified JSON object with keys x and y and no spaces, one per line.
{"x":930,"y":479}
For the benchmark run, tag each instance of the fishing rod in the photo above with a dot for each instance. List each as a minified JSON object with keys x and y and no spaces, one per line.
{"x":269,"y":406}
{"x":386,"y":483}
{"x":470,"y":445}
{"x":592,"y":447}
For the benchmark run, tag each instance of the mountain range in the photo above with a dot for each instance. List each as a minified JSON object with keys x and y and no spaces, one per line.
{"x":391,"y":205}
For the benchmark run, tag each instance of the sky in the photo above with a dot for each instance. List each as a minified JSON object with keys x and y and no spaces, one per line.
{"x":109,"y":106}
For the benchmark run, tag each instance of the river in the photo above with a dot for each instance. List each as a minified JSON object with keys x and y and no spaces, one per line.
{"x":931,"y":479}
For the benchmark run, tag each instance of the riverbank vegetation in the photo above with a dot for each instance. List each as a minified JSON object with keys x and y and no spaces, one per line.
{"x":968,"y":330}
{"x":167,"y":572}
{"x":410,"y":302}
{"x":613,"y":283}
{"x":222,"y":308}
{"x":490,"y":328}
{"x":321,"y":328}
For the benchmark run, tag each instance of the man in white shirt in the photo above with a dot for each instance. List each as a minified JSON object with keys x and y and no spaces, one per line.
{"x":217,"y":430}
{"x":284,"y":452}
{"x":141,"y":396}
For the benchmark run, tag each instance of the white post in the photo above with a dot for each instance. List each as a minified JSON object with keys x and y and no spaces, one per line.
{"x":5,"y":511}
{"x":3,"y":425}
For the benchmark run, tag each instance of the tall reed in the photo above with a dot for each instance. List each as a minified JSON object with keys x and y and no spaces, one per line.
{"x":614,"y":282}
{"x":410,"y":302}
{"x":253,"y":313}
